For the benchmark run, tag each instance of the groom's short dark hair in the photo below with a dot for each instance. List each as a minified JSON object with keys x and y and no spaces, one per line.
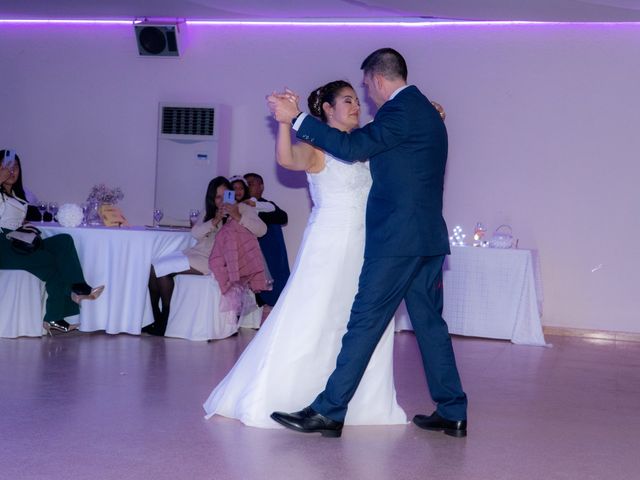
{"x":386,"y":62}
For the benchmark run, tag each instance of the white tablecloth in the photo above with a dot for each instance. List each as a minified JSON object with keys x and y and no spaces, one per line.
{"x":119,"y":258}
{"x":492,"y":293}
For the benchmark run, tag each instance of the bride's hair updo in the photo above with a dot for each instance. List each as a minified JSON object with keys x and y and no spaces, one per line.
{"x":326,"y":93}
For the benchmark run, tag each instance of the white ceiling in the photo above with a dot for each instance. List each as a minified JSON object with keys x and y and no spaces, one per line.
{"x":531,"y":10}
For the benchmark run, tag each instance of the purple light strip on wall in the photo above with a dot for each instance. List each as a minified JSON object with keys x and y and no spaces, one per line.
{"x":310,"y":23}
{"x":390,"y":23}
{"x":64,"y":22}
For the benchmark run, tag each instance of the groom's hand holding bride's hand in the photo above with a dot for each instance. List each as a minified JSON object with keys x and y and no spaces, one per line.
{"x":284,"y":106}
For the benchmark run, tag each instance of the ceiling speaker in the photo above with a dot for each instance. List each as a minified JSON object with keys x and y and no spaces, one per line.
{"x":157,"y":40}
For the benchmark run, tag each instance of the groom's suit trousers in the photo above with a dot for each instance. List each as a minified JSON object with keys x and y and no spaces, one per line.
{"x":384,"y":282}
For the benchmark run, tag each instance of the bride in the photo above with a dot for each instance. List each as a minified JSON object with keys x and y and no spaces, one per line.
{"x":292,"y":355}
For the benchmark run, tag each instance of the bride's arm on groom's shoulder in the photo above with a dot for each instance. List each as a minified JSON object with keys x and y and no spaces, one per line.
{"x":301,"y":156}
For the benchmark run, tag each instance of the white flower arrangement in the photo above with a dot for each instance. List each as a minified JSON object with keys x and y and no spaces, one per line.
{"x":70,"y":215}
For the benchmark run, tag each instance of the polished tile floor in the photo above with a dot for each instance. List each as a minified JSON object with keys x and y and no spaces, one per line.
{"x":95,"y":406}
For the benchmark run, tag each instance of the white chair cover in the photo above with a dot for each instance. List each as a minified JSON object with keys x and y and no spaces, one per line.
{"x":22,"y":297}
{"x":195,"y":310}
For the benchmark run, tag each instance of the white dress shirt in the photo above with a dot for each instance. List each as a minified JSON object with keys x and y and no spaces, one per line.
{"x":12,"y":211}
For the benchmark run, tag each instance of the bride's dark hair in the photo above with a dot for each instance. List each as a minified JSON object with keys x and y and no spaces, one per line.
{"x":326,"y":93}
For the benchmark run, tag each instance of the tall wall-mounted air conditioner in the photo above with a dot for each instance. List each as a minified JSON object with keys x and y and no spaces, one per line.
{"x":187,"y":159}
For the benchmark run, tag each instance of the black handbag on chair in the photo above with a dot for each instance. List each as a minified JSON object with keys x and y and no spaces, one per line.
{"x":26,"y":239}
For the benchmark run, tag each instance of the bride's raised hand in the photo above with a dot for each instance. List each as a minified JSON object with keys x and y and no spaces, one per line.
{"x":273,"y":101}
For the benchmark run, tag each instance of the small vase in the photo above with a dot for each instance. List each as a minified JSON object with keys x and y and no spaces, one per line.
{"x":93,"y":214}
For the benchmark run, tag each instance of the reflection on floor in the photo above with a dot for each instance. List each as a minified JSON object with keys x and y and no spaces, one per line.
{"x":83,"y":406}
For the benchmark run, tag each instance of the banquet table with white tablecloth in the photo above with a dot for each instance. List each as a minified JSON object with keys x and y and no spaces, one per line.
{"x":490,"y":293}
{"x":120,"y":259}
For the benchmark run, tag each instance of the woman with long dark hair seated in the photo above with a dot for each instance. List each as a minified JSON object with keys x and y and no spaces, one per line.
{"x":55,"y":262}
{"x":195,"y":260}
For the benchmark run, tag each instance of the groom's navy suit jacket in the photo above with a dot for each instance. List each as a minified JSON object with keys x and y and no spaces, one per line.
{"x":407,"y":148}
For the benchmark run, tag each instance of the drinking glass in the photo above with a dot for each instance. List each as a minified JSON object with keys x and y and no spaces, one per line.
{"x":52,"y":208}
{"x":194,"y":214}
{"x":157,"y":216}
{"x":42,"y":207}
{"x":85,"y":210}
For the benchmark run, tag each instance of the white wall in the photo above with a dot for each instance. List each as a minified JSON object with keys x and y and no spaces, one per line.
{"x":543,"y":124}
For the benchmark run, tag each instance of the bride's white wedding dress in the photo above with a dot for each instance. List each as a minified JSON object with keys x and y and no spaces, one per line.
{"x":291,"y":357}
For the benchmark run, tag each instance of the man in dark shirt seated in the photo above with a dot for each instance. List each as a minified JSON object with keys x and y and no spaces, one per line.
{"x":272,"y":244}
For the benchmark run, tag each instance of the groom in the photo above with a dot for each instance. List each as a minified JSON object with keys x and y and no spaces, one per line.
{"x":406,"y":243}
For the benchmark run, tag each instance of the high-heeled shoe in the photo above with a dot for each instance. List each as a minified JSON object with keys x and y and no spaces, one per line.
{"x":81,"y":288}
{"x":92,"y":295}
{"x":56,"y":326}
{"x":59,"y":326}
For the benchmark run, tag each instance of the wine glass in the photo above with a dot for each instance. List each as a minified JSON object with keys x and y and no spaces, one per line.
{"x":85,"y":210}
{"x":52,"y":208}
{"x":194,"y":214}
{"x":157,"y":216}
{"x":42,"y":207}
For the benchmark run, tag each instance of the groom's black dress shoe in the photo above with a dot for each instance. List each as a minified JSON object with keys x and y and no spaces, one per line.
{"x":309,"y":421}
{"x":154,"y":329}
{"x":455,"y":428}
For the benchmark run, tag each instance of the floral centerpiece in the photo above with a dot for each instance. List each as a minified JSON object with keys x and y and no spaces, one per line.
{"x":98,"y":198}
{"x":102,"y":194}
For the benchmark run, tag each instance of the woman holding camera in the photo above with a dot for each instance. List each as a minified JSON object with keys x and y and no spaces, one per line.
{"x":195,"y":260}
{"x":54,"y":261}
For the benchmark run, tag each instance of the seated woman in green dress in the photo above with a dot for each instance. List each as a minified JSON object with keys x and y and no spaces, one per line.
{"x":55,"y":262}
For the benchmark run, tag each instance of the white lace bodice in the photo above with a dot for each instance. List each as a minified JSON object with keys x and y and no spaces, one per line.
{"x":339,"y":192}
